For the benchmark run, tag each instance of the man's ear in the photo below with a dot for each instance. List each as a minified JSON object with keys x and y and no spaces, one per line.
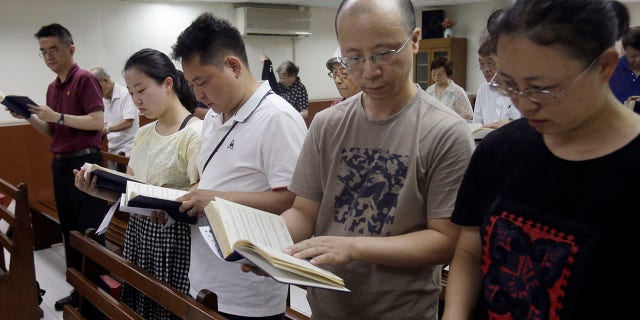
{"x":415,"y":40}
{"x":234,"y":64}
{"x":608,"y":62}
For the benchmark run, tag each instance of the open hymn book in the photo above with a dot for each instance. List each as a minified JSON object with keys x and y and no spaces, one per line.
{"x":259,"y":236}
{"x":141,"y":195}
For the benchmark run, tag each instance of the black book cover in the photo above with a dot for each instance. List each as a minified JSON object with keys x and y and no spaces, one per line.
{"x":111,"y":181}
{"x":169,"y":206}
{"x":18,"y":104}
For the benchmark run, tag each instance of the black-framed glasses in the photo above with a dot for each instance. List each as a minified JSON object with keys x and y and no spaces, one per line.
{"x":357,"y":63}
{"x":504,"y":86}
{"x":51,"y":51}
{"x":342,"y":74}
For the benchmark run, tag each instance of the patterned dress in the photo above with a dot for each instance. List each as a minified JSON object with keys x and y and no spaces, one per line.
{"x":296,"y":94}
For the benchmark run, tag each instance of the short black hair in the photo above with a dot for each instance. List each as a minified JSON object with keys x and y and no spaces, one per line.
{"x":583,"y":28}
{"x":444,"y":62}
{"x":632,"y":38}
{"x":211,"y":38}
{"x":487,"y":47}
{"x":55,"y":30}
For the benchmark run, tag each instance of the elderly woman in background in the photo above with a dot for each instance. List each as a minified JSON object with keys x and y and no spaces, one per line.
{"x":340,"y":75}
{"x":289,"y":87}
{"x":447,"y":91}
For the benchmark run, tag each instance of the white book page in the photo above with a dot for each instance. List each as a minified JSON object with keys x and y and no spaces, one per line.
{"x":152,"y":191}
{"x":207,"y":234}
{"x":91,"y":167}
{"x":107,"y":218}
{"x":257,"y":226}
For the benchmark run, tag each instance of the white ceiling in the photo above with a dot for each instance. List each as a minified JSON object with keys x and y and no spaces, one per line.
{"x":418,"y":4}
{"x":331,"y":3}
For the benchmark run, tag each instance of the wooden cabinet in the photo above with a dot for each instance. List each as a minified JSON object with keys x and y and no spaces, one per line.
{"x":454,"y":48}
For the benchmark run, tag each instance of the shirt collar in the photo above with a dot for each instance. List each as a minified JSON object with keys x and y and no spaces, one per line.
{"x":72,"y":71}
{"x":116,"y":94}
{"x":624,"y":63}
{"x":254,"y":101}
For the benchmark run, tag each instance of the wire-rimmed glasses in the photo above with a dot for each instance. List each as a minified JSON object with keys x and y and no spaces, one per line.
{"x":46,"y":52}
{"x":502,"y":86}
{"x":343,"y":74}
{"x":357,"y":63}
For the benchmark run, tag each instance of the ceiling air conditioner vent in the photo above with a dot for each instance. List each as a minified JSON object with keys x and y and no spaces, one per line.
{"x":276,"y":21}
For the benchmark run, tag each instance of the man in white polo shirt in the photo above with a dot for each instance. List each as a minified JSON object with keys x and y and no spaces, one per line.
{"x":120,"y":114}
{"x":251,"y":139}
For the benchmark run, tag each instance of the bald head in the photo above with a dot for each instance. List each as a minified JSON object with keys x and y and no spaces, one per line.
{"x":358,"y":7}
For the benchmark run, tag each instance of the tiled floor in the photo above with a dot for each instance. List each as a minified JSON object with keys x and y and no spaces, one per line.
{"x":50,"y":274}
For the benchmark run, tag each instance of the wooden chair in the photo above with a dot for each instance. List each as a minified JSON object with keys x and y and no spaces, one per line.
{"x":18,"y":292}
{"x":97,"y":259}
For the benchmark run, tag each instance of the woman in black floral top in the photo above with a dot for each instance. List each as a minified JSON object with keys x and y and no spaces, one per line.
{"x":289,"y":87}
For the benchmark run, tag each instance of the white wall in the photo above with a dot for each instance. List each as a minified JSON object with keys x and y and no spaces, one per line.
{"x":107,"y":32}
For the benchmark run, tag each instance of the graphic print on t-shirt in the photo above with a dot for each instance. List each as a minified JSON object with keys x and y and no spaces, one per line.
{"x":372,"y":182}
{"x":526,"y":266}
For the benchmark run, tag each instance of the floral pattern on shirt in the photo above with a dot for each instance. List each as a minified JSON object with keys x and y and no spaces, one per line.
{"x":296,"y":95}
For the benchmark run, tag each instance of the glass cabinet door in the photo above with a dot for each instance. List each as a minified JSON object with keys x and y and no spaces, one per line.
{"x":422,"y":69}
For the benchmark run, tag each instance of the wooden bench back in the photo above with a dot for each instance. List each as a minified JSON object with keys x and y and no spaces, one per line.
{"x":97,"y":259}
{"x":18,"y":293}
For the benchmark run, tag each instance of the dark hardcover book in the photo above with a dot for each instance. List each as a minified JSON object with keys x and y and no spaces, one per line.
{"x":108,"y":178}
{"x":153,"y":197}
{"x":18,"y":104}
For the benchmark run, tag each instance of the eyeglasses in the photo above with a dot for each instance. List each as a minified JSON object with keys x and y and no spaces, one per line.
{"x":343,"y":74}
{"x":381,"y":58}
{"x":541,"y":96}
{"x":488,"y":65}
{"x":52,"y":51}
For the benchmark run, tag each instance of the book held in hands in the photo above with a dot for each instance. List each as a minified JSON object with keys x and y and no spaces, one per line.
{"x":479,"y":131}
{"x":259,"y":236}
{"x":108,"y":178}
{"x":148,"y":196}
{"x":18,"y":104}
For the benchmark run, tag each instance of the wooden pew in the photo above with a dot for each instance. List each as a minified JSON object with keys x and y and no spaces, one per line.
{"x":18,"y":293}
{"x":118,"y":225}
{"x":97,"y":259}
{"x":46,"y":223}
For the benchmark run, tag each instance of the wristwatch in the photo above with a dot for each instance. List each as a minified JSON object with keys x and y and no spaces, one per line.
{"x":61,"y":120}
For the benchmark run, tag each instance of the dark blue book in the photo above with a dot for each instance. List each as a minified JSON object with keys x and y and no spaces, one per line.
{"x":108,"y":178}
{"x":18,"y":104}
